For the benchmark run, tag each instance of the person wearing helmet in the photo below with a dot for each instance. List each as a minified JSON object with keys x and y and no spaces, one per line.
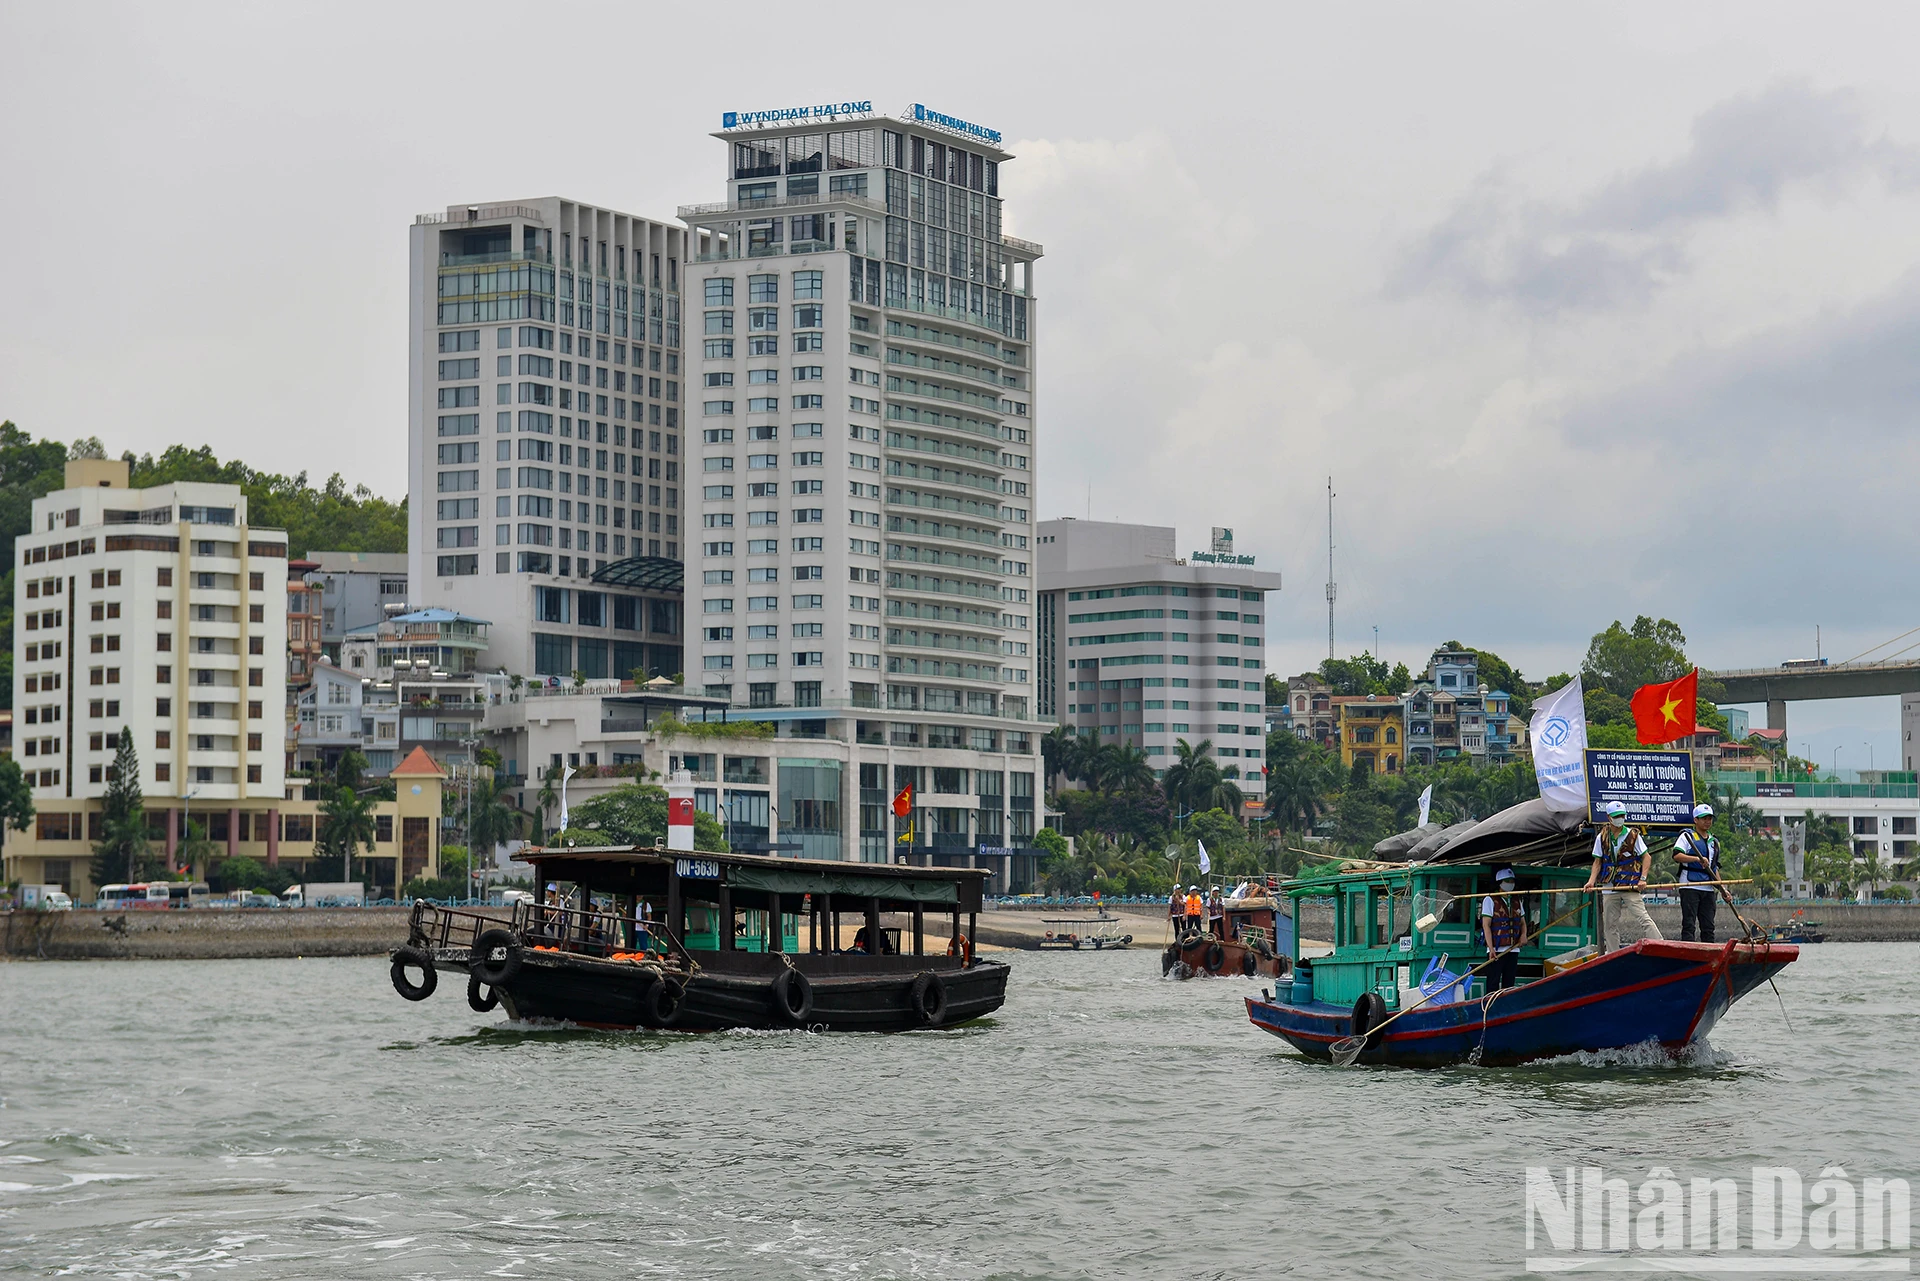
{"x":1503,"y":925}
{"x":1196,"y":911}
{"x":1621,"y":864}
{"x":1698,"y":854}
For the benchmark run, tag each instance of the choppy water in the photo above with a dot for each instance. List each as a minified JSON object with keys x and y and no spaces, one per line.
{"x":297,"y":1119}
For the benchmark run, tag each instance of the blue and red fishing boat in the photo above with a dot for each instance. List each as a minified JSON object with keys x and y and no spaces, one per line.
{"x":1407,"y":937}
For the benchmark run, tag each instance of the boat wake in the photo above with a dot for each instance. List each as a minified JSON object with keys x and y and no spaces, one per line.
{"x":1647,"y":1055}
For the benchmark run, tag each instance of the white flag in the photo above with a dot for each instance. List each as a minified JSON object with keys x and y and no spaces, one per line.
{"x":565,"y":774}
{"x":1206,"y":864}
{"x":1426,"y":804}
{"x":1559,"y":733}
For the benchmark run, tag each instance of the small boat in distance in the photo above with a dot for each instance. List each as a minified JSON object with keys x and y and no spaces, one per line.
{"x":1253,"y":935}
{"x":1099,"y":932}
{"x":703,"y":942}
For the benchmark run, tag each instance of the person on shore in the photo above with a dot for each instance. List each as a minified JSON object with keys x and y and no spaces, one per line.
{"x":1503,"y":925}
{"x":1621,"y":864}
{"x":1196,"y":911}
{"x":1698,"y":854}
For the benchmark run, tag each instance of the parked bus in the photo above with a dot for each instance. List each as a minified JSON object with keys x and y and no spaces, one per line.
{"x":1796,"y":664}
{"x":154,"y":895}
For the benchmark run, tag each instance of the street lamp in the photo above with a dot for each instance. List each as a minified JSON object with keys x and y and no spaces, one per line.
{"x":1869,"y":747}
{"x":186,"y":811}
{"x":472,"y":765}
{"x":1836,"y":764}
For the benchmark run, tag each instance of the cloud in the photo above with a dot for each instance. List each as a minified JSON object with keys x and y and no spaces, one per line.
{"x":1618,"y":243}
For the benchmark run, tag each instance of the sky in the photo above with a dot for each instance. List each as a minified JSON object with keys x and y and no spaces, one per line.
{"x":1588,"y":310}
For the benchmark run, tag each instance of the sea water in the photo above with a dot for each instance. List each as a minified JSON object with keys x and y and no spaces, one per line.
{"x":255,"y":1119}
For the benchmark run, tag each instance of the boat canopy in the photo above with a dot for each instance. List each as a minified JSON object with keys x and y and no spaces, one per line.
{"x":1394,"y":849}
{"x":1529,"y":827}
{"x":648,"y":870}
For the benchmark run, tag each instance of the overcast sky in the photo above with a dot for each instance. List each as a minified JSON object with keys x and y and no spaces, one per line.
{"x":1588,"y":311}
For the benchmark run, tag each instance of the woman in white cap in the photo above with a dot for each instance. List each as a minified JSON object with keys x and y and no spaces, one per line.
{"x":1698,"y":854}
{"x":1503,"y":924}
{"x":1621,"y":864}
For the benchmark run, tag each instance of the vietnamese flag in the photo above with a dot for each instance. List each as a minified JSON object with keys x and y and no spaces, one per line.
{"x":903,"y":803}
{"x":1662,"y":713}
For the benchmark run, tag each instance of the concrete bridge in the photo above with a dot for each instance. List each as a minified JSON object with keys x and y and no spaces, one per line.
{"x":1778,"y":686}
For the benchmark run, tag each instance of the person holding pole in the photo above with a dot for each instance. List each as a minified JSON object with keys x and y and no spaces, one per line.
{"x":1621,"y":865}
{"x":1698,"y":855}
{"x":1503,"y":924}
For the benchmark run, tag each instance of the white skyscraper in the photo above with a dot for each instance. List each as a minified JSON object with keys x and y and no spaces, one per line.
{"x":544,"y":433}
{"x":860,"y":457}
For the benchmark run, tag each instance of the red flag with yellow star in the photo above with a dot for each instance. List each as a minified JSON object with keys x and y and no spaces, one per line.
{"x":1662,"y":713}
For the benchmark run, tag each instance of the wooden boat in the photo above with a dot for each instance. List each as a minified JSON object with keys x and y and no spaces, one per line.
{"x":704,"y":942}
{"x":1567,"y":998}
{"x":1798,"y":932}
{"x":1256,"y":938}
{"x":1099,"y":932}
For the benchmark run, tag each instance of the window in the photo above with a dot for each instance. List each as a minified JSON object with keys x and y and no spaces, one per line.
{"x":807,"y":284}
{"x":760,"y":320}
{"x":719,"y":291}
{"x":763,"y":289}
{"x":809,"y":316}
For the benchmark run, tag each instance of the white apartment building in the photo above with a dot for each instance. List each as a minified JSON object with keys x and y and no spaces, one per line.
{"x":860,"y":438}
{"x":545,"y":441}
{"x":158,"y":613}
{"x":1139,"y":647}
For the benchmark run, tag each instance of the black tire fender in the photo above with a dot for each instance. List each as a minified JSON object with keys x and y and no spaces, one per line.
{"x":1169,"y":958}
{"x":793,"y":997}
{"x":415,"y":958}
{"x":496,"y":971}
{"x":929,"y":996}
{"x":1249,"y":963}
{"x":1369,"y":1012}
{"x":1216,"y":957}
{"x":481,"y":1004}
{"x":664,"y":1004}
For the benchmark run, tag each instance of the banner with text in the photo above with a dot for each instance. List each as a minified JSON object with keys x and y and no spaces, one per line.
{"x":1656,"y":787}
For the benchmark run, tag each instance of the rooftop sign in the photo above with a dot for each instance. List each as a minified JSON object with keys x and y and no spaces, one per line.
{"x":926,"y":116}
{"x":795,"y":115}
{"x":1222,"y":553}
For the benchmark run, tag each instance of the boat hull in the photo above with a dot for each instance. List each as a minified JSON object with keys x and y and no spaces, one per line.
{"x":1660,"y":991}
{"x":562,"y":987}
{"x":1195,"y":957}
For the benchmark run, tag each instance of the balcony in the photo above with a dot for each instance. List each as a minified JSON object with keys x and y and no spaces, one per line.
{"x":505,"y":255}
{"x":693,"y":213}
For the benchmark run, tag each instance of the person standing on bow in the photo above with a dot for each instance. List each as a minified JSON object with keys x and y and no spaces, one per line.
{"x":1503,"y":925}
{"x":1621,"y":865}
{"x":1698,"y":854}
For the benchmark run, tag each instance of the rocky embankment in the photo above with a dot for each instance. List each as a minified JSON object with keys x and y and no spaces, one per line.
{"x":202,"y":934}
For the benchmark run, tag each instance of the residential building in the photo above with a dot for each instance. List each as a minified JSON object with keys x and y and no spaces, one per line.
{"x":1140,"y":647}
{"x":1310,"y":709}
{"x":1450,"y":713}
{"x":357,"y":591}
{"x":158,"y":613}
{"x":1372,"y":730}
{"x":341,"y":711}
{"x":544,"y":431}
{"x":863,"y":412}
{"x":303,"y":622}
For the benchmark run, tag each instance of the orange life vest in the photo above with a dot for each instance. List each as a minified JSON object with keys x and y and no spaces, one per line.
{"x":1194,"y":906}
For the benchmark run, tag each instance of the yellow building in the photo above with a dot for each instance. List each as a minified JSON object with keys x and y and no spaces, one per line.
{"x":279,"y":832}
{"x":1372,"y":729}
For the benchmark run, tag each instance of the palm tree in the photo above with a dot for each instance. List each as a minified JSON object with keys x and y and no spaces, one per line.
{"x":494,"y":821}
{"x":549,"y":794}
{"x":1054,"y":747}
{"x":347,"y":816}
{"x":1297,"y":794}
{"x":1129,"y":770}
{"x":1190,"y":765}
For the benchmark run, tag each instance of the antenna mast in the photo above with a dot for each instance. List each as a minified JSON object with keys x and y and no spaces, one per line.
{"x":1332,"y":590}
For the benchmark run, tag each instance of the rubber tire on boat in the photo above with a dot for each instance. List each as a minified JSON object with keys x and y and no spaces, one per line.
{"x":429,"y":977}
{"x":489,"y":971}
{"x":1369,"y":1012}
{"x":1169,"y":958}
{"x":793,"y":997}
{"x":1216,"y":957}
{"x":929,"y":997}
{"x":1126,"y":939}
{"x":1249,"y":963}
{"x":664,"y":1004}
{"x":481,"y":1004}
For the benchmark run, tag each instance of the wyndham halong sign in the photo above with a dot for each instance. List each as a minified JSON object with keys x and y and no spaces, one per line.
{"x":927,"y":116}
{"x":1656,"y":787}
{"x":794,"y":115}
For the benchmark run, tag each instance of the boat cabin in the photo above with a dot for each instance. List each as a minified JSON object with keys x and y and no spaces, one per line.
{"x":1378,"y":947}
{"x":623,"y":899}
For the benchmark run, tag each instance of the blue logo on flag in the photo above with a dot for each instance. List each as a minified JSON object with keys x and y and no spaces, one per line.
{"x":1555,"y":731}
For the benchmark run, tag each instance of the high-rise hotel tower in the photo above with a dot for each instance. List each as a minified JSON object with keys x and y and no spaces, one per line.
{"x":860,"y":456}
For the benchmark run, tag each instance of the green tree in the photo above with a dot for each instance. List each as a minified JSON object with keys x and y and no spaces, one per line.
{"x":494,"y":821}
{"x":1622,"y":659}
{"x":549,"y":796}
{"x":122,"y":850}
{"x":346,"y":816}
{"x":1194,"y":780}
{"x":636,"y":814}
{"x":330,"y":518}
{"x":1054,"y":851}
{"x":1297,"y":791}
{"x":1363,"y":674}
{"x":16,"y":798}
{"x":29,"y":469}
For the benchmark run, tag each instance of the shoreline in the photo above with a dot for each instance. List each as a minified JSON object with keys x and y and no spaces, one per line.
{"x":208,"y":934}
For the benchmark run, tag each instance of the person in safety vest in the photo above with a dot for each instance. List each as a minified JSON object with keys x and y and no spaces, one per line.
{"x":1503,"y":924}
{"x":1216,"y":913}
{"x":1621,"y":864}
{"x":1176,"y":908}
{"x":1698,"y":854}
{"x":1196,"y":910}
